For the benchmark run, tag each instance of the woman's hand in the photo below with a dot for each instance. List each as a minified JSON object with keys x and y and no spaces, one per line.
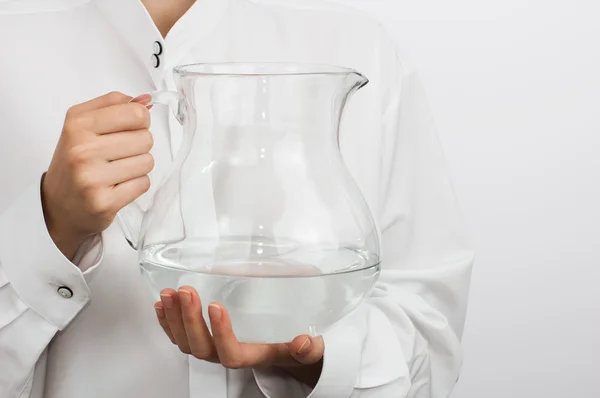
{"x":180,"y":315}
{"x":101,"y":163}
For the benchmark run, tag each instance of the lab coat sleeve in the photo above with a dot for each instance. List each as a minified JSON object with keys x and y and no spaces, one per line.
{"x":404,"y":340}
{"x":32,"y":269}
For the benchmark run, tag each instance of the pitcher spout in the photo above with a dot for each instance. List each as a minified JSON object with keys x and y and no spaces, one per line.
{"x":355,"y":81}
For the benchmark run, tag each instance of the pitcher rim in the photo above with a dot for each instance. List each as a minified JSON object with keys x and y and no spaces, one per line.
{"x":279,"y":69}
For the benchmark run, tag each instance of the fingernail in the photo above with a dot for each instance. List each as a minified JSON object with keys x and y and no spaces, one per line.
{"x":167,"y":300}
{"x":185,"y":297}
{"x":143,"y":99}
{"x":215,"y":312}
{"x":304,"y":346}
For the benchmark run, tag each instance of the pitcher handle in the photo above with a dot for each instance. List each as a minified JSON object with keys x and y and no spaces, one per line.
{"x":131,"y":216}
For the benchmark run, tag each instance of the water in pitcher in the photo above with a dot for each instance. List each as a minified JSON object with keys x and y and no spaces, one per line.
{"x":270,"y":299}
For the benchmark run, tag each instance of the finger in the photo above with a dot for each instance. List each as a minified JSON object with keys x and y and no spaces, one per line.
{"x":170,"y":301}
{"x":198,"y":335}
{"x":228,"y":348}
{"x":125,"y":144}
{"x":128,"y":191}
{"x":162,"y":320}
{"x":106,"y":100}
{"x":307,"y":350}
{"x":122,"y":117}
{"x":233,"y":354}
{"x":122,"y":170}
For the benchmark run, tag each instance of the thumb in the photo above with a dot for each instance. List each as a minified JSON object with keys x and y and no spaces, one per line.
{"x":307,"y":350}
{"x":144,"y":99}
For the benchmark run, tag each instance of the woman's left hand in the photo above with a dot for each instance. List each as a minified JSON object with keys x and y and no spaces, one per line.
{"x":180,"y":315}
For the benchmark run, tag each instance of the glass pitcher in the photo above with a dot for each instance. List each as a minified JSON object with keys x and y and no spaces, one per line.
{"x":259,"y":211}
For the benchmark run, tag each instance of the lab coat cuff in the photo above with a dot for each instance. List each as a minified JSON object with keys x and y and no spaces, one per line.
{"x":341,"y":363}
{"x":89,"y":256}
{"x":44,"y":279}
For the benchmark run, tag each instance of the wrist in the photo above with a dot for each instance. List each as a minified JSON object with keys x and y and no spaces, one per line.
{"x":67,"y":243}
{"x":65,"y":238}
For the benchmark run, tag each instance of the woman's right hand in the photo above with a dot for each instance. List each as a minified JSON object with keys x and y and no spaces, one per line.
{"x":100,"y":165}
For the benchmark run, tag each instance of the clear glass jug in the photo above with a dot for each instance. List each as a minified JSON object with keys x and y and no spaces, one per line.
{"x":259,"y":212}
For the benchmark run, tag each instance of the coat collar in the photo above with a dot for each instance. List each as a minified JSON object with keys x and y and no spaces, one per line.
{"x":156,"y":54}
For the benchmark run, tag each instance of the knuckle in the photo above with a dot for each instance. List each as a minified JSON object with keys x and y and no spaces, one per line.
{"x":140,"y":114}
{"x":84,"y":180}
{"x":71,"y":112}
{"x":79,"y":155}
{"x":148,"y":140}
{"x":231,"y":363}
{"x":99,"y":201}
{"x":145,"y":183}
{"x":202,"y":354}
{"x":100,"y":204}
{"x":148,"y":163}
{"x":77,"y":123}
{"x":116,"y":97}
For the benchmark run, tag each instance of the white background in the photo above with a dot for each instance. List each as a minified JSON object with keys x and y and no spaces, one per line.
{"x":514,"y":86}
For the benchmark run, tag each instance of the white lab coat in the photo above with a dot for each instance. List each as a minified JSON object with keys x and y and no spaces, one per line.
{"x":104,"y":341}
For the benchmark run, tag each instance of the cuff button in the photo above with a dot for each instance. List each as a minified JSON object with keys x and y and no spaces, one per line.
{"x":65,"y":292}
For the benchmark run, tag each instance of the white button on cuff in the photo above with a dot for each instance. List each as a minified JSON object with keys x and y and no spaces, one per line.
{"x":65,"y":292}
